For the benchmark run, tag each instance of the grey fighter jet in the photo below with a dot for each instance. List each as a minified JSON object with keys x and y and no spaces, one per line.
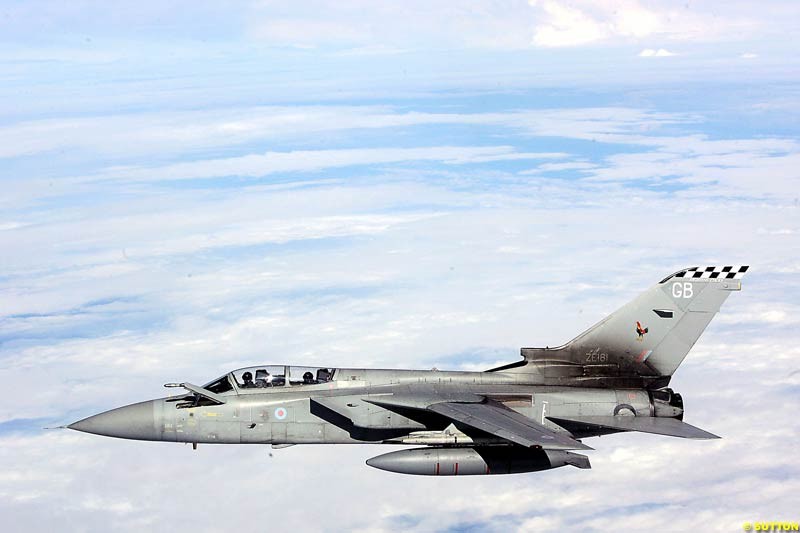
{"x":526,"y":416}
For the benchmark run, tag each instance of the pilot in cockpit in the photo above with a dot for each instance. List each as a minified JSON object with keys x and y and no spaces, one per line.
{"x":308,"y":378}
{"x":247,"y":379}
{"x":263,"y":378}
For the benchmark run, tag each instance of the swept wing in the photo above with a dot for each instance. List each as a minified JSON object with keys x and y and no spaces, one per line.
{"x":496,"y":419}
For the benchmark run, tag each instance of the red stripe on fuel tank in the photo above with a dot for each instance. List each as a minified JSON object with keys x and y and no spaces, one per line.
{"x":437,"y":469}
{"x":455,"y":470}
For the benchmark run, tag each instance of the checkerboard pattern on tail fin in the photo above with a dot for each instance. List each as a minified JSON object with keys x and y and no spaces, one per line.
{"x":710,"y":272}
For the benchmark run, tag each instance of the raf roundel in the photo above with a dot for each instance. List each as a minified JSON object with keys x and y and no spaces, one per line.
{"x":280,"y":413}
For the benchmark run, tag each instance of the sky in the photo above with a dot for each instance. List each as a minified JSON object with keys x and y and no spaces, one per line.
{"x":194,"y":187}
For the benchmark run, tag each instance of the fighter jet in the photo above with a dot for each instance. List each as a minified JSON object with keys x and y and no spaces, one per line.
{"x":525,"y":416}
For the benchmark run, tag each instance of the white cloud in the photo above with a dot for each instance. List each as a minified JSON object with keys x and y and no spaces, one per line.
{"x":765,"y":313}
{"x":173,"y":133}
{"x":311,"y":160}
{"x":567,"y":26}
{"x":580,"y":22}
{"x":661,"y":52}
{"x":509,"y":24}
{"x":10,"y":225}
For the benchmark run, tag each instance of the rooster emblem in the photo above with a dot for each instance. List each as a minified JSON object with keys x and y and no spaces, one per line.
{"x":640,"y":331}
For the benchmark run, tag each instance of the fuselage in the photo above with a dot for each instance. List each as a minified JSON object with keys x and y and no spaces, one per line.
{"x":341,"y":409}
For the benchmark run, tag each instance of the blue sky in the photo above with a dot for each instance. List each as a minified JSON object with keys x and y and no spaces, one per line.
{"x":189,"y":189}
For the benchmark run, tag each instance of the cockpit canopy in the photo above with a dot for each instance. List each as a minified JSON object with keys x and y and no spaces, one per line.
{"x":266,"y":376}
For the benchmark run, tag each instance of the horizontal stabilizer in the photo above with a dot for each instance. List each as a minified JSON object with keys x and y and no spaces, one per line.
{"x":645,"y":424}
{"x":575,"y":459}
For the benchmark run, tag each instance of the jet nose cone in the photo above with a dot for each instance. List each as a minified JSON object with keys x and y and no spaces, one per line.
{"x":136,"y":421}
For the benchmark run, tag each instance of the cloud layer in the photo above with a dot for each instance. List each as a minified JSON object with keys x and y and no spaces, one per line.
{"x":319,"y":185}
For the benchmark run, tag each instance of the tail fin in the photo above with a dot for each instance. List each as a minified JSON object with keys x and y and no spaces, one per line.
{"x":651,"y":335}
